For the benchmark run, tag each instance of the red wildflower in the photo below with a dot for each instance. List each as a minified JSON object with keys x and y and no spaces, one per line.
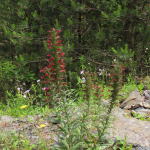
{"x":48,"y":66}
{"x":111,"y":75}
{"x":123,"y":66}
{"x":47,"y":88}
{"x":45,"y":82}
{"x":42,"y":71}
{"x":42,"y":77}
{"x":58,"y":49}
{"x":55,"y":44}
{"x":46,"y":74}
{"x":48,"y":41}
{"x":58,"y":31}
{"x":59,"y":41}
{"x":49,"y":55}
{"x":47,"y":94}
{"x":64,"y":83}
{"x":47,"y":100}
{"x":113,"y":79}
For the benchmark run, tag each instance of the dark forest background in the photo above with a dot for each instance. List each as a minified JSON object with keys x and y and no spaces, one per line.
{"x":93,"y":31}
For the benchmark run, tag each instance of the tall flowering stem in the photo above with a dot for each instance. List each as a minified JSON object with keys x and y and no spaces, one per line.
{"x":54,"y":71}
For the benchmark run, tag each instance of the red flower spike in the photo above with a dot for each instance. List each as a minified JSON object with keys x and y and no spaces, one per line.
{"x":55,"y":44}
{"x":47,"y":94}
{"x":58,"y":61}
{"x":53,"y":70}
{"x":57,"y":36}
{"x":47,"y":88}
{"x":62,"y":54}
{"x":51,"y":76}
{"x":59,"y":41}
{"x":64,"y":83}
{"x":113,"y":79}
{"x":49,"y":60}
{"x":48,"y":41}
{"x":47,"y":100}
{"x":49,"y":47}
{"x":49,"y":55}
{"x":48,"y":66}
{"x":44,"y":68}
{"x":42,"y":71}
{"x":52,"y":64}
{"x":52,"y":58}
{"x":45,"y":82}
{"x":46,"y":74}
{"x":123,"y":66}
{"x":58,"y":49}
{"x":111,"y":75}
{"x":42,"y":77}
{"x":58,"y":31}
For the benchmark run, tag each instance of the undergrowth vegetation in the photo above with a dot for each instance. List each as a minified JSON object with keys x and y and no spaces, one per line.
{"x":79,"y":111}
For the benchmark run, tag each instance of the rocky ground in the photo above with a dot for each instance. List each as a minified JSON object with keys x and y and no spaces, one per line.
{"x":136,"y":131}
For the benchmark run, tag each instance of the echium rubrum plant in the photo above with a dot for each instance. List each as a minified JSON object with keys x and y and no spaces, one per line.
{"x":54,"y":71}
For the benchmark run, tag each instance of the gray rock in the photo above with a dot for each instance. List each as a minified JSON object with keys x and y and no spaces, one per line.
{"x":6,"y":119}
{"x":146,"y":94}
{"x":137,"y":131}
{"x":133,"y":101}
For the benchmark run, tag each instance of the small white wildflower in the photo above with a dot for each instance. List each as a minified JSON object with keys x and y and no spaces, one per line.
{"x":99,"y":69}
{"x":114,"y":59}
{"x":38,"y":80}
{"x":100,"y":74}
{"x":82,"y":72}
{"x":18,"y":89}
{"x":43,"y":88}
{"x":83,"y":80}
{"x":147,"y":48}
{"x":109,"y":74}
{"x":27,"y":91}
{"x":24,"y":96}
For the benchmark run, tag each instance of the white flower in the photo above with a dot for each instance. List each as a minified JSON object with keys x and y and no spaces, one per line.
{"x":82,"y":72}
{"x":43,"y":88}
{"x":18,"y":89}
{"x":27,"y":91}
{"x":24,"y":96}
{"x":83,"y":80}
{"x":100,"y":74}
{"x":99,"y":69}
{"x":114,"y":59}
{"x":146,"y":48}
{"x":38,"y":80}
